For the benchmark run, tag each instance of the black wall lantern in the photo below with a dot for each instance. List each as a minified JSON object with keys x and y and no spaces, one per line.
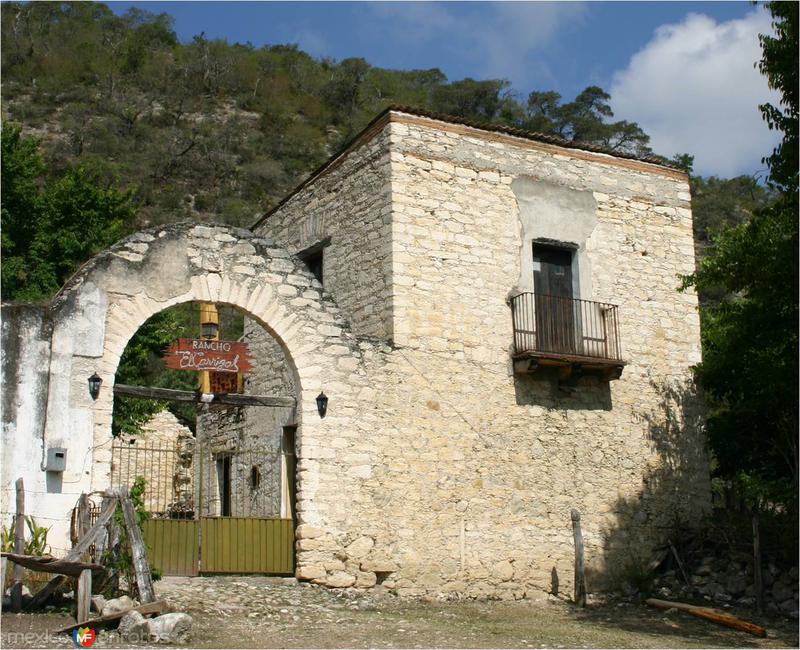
{"x":322,"y":404}
{"x":95,"y":381}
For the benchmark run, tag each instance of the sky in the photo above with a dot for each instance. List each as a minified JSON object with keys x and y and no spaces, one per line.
{"x":685,"y":71}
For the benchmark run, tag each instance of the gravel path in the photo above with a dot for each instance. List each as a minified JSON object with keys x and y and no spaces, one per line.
{"x":261,"y":612}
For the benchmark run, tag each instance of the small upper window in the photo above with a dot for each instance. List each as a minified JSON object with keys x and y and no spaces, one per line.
{"x":313,"y":257}
{"x":314,"y":263}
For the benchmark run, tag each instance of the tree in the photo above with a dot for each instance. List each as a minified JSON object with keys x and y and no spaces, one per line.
{"x":584,"y":120}
{"x":50,"y":227}
{"x":779,"y":64}
{"x":750,"y":344}
{"x":22,"y":168}
{"x":471,"y":99}
{"x":717,"y":202}
{"x":140,"y":365}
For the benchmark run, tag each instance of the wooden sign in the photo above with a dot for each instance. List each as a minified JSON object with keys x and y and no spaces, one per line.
{"x":215,"y":356}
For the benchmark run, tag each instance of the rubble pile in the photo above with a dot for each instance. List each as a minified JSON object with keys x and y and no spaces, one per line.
{"x":728,"y":581}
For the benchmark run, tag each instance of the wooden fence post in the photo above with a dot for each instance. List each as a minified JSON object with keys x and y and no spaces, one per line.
{"x":580,"y":578}
{"x":144,"y":580}
{"x":19,"y":547}
{"x":758,"y":584}
{"x":83,"y":596}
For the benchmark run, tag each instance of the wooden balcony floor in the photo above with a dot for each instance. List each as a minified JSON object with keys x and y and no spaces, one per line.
{"x":569,"y":365}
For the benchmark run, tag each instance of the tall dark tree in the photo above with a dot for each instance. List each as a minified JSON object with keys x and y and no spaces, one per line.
{"x":750,"y":341}
{"x":50,"y":227}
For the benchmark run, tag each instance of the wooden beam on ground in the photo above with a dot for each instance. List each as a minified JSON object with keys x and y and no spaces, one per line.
{"x":141,"y":568}
{"x":722,"y":618}
{"x":158,"y":607}
{"x":50,"y":564}
{"x":75,"y":553}
{"x":231,"y":399}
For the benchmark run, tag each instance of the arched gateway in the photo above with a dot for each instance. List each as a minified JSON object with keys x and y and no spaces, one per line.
{"x":87,"y":326}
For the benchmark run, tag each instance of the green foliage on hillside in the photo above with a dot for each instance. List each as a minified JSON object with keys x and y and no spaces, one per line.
{"x":209,"y":130}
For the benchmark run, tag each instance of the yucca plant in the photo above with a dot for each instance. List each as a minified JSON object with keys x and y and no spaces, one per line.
{"x":36,"y":544}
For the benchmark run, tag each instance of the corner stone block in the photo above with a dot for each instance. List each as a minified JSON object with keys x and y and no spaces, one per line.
{"x":240,"y":292}
{"x":366,"y":579}
{"x":214,"y":283}
{"x":224,"y":292}
{"x":307,"y":531}
{"x":378,"y":566}
{"x":503,"y":571}
{"x":310,"y":572}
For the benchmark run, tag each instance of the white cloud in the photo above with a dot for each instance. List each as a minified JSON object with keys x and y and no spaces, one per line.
{"x":495,"y":39}
{"x":694,"y":89}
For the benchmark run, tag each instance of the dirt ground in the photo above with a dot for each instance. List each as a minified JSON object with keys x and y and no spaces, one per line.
{"x":259,"y":612}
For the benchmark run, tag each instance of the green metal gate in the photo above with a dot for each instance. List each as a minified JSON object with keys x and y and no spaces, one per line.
{"x":212,"y":511}
{"x":172,"y":545}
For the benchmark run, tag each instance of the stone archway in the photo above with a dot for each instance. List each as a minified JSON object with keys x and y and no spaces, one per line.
{"x":111,"y":296}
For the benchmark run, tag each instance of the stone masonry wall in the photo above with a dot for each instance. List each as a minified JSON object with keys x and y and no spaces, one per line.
{"x":349,"y":204}
{"x":460,"y":475}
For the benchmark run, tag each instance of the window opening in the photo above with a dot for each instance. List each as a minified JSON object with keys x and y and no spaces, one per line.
{"x":314,"y":258}
{"x":224,"y":483}
{"x":314,"y":263}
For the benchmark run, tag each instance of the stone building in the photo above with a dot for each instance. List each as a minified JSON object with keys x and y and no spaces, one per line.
{"x":162,"y":453}
{"x":473,"y":442}
{"x":494,"y":317}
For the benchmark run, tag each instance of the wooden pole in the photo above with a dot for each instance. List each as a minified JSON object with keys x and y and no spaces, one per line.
{"x":580,"y":578}
{"x":19,"y":547}
{"x":83,"y":596}
{"x":175,"y":395}
{"x":758,"y":582}
{"x":709,"y":614}
{"x":144,"y":580}
{"x":680,"y":564}
{"x":209,"y":317}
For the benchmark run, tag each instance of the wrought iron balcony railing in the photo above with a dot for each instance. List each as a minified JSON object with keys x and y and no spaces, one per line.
{"x":567,"y":328}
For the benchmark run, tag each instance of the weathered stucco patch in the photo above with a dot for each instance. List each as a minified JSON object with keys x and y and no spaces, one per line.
{"x":548,"y":211}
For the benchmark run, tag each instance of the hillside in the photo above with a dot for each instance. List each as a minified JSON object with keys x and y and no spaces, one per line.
{"x":209,"y":130}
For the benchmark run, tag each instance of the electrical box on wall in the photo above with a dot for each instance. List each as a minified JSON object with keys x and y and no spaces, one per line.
{"x":56,"y":459}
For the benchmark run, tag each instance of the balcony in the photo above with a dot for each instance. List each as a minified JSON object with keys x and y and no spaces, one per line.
{"x":576,"y":336}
